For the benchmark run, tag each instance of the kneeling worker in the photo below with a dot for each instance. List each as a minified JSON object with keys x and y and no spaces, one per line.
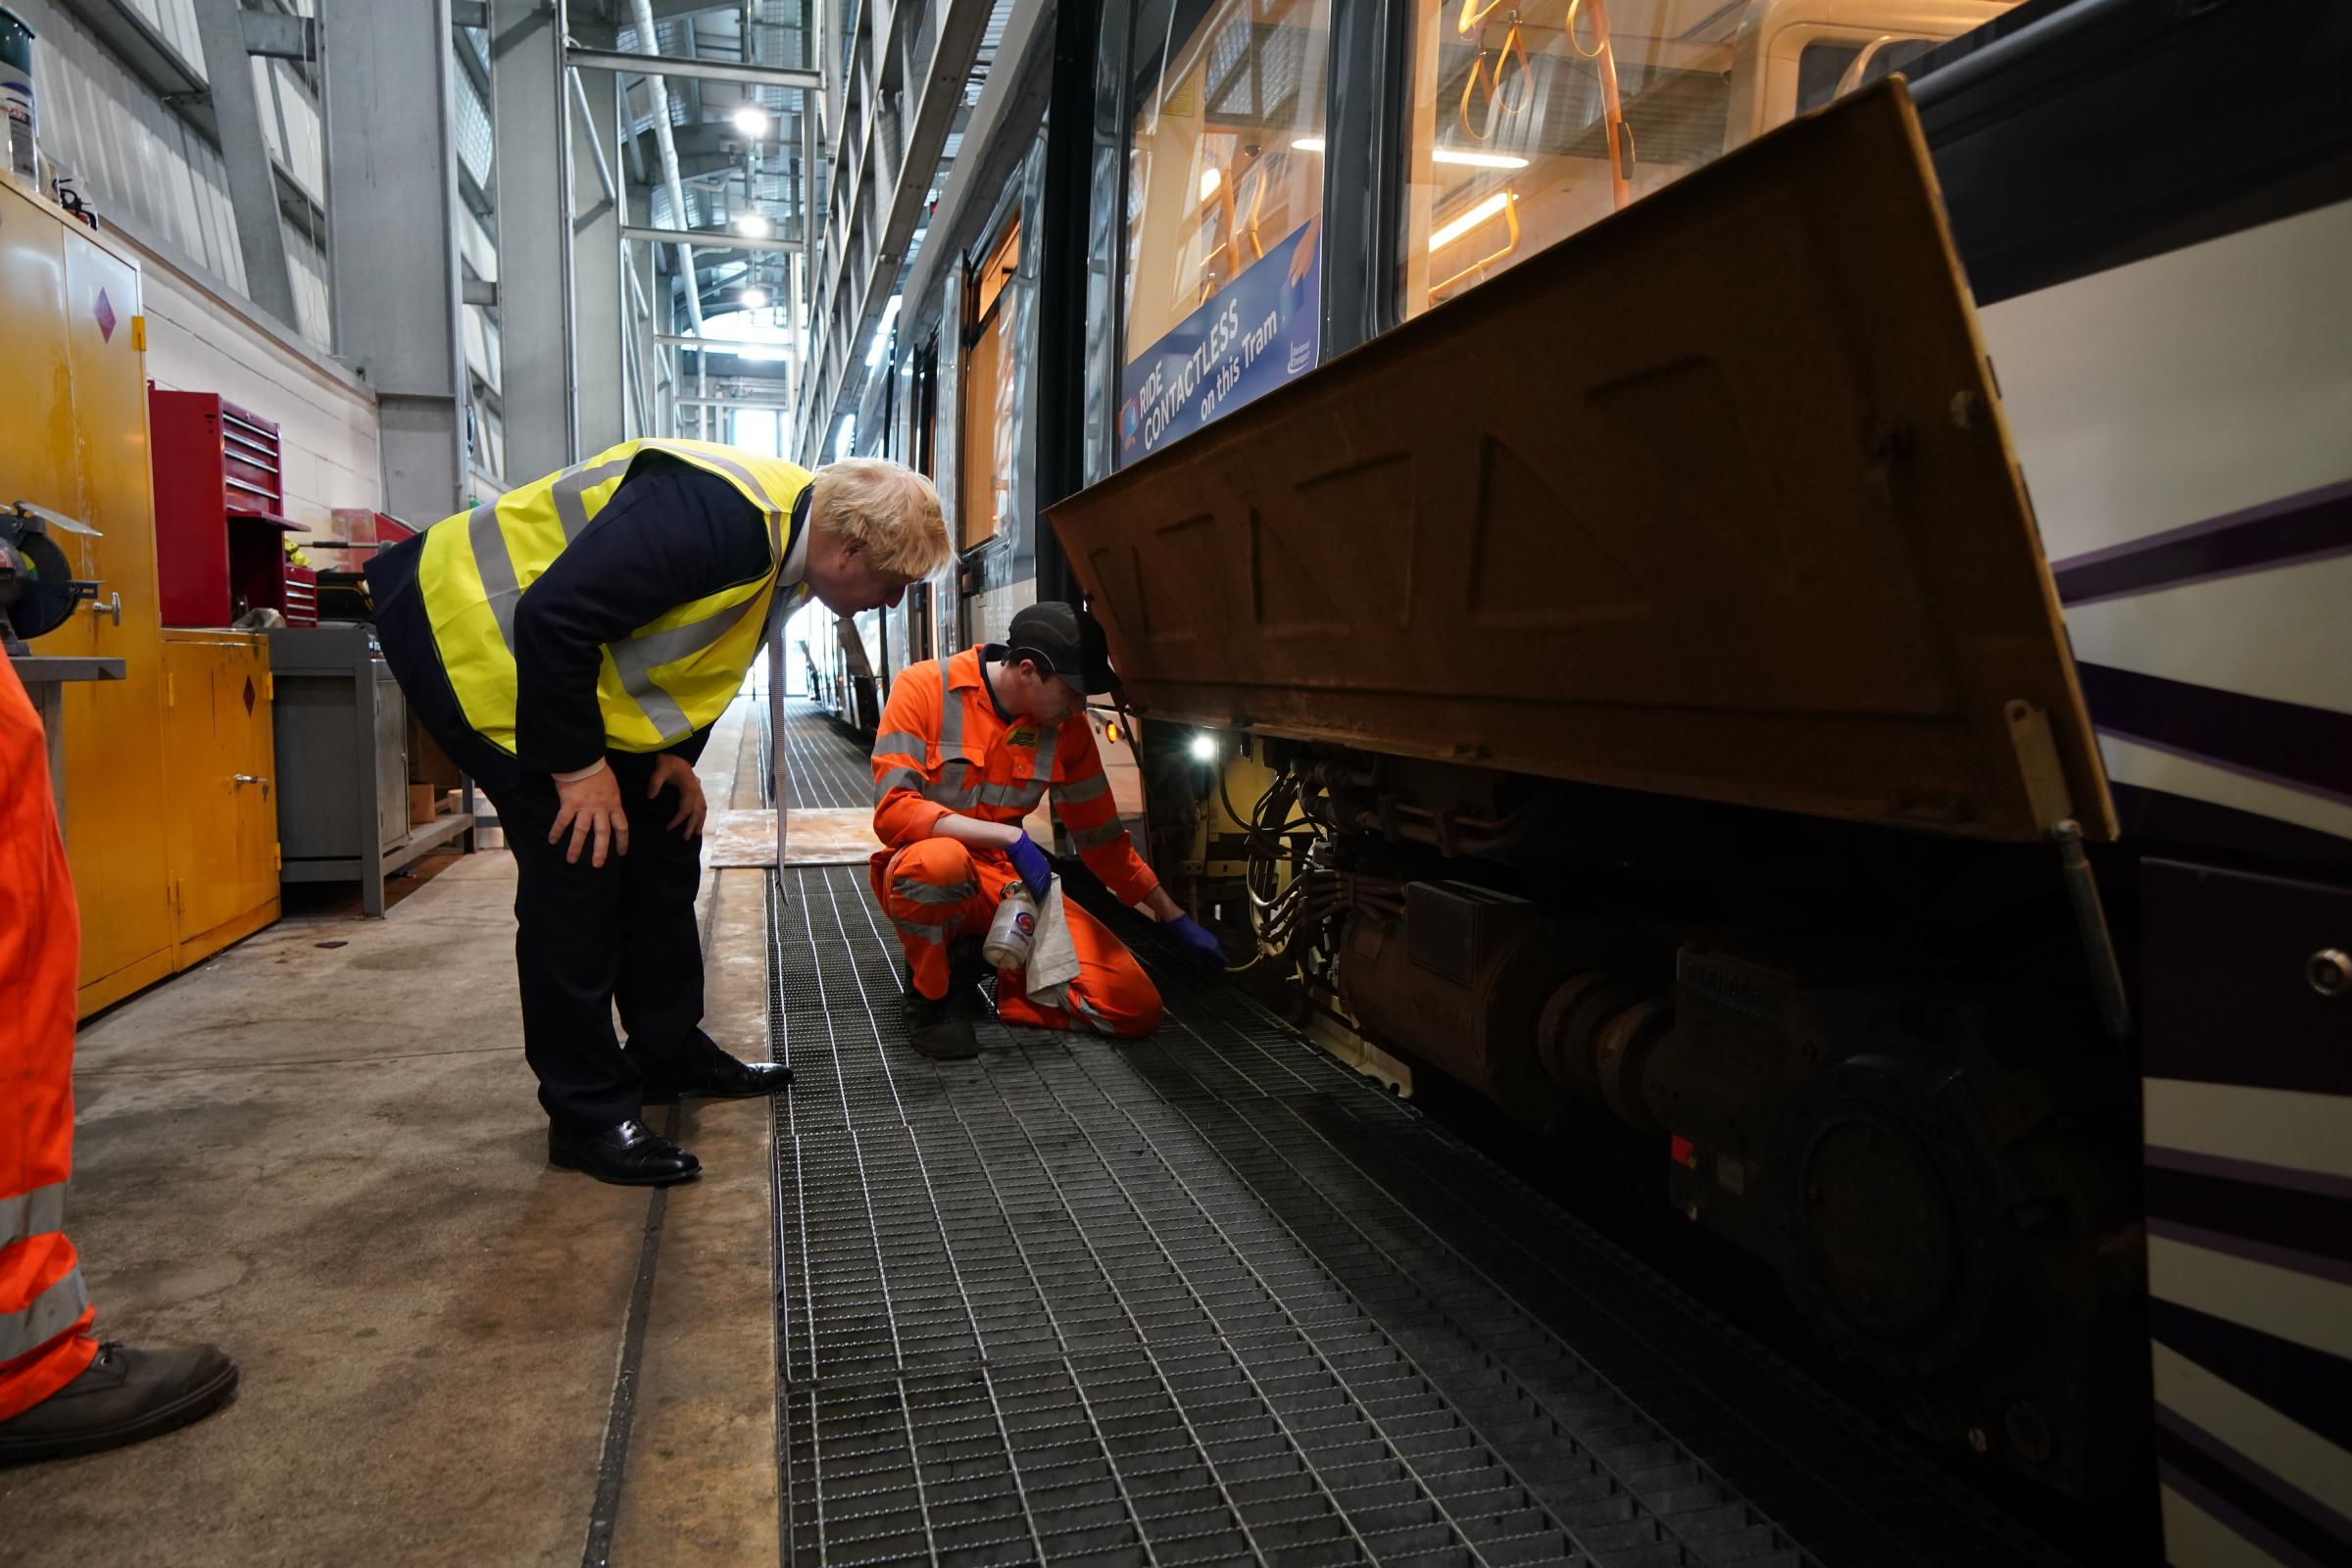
{"x":571,"y":645}
{"x":968,"y":748}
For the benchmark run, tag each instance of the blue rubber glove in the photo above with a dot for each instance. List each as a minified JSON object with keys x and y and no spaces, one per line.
{"x":1198,"y":944}
{"x":1037,"y":872}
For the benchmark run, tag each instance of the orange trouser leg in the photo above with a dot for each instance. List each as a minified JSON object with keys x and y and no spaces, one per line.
{"x":1111,"y":996}
{"x":932,"y":893}
{"x":44,"y":1312}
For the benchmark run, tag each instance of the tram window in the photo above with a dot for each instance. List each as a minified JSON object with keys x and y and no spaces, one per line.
{"x":990,"y":378}
{"x":1530,"y":121}
{"x":1224,"y":209}
{"x":1820,"y":67}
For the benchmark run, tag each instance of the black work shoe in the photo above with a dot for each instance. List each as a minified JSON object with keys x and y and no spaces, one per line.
{"x":628,"y":1154}
{"x":718,"y":1080}
{"x":127,"y":1395}
{"x":967,"y":972}
{"x":933,"y":1030}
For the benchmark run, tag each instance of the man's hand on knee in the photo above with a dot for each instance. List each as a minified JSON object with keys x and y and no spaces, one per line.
{"x":590,"y":808}
{"x":676,"y":771}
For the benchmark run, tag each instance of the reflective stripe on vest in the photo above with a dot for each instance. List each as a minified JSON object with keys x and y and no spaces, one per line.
{"x":670,"y":677}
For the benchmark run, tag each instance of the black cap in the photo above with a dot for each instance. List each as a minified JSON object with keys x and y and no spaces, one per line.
{"x":1068,"y":641}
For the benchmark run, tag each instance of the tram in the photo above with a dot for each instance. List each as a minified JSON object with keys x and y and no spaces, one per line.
{"x":1785,"y":623}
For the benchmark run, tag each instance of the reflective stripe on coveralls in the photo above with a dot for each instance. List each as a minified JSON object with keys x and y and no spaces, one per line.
{"x":33,"y":1213}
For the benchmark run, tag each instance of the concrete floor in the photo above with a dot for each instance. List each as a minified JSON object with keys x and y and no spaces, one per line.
{"x":323,"y":1151}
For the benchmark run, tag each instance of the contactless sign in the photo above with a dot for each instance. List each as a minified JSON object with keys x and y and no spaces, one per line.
{"x":1261,"y":330}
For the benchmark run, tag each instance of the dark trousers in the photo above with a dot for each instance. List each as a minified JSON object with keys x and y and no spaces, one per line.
{"x":587,"y":938}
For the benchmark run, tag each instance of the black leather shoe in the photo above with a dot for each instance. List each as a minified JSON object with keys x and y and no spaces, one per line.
{"x":629,"y":1155}
{"x":719,"y":1080}
{"x":934,"y":1031}
{"x":125,"y":1395}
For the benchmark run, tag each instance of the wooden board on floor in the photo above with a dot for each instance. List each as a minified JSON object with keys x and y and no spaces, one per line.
{"x":814,"y":837}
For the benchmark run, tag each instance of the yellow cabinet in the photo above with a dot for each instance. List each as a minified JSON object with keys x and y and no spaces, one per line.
{"x":113,"y":737}
{"x":74,"y":440}
{"x":221,"y":799}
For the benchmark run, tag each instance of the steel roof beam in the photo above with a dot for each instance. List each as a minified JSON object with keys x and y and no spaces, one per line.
{"x":789,"y":78}
{"x":714,"y":239}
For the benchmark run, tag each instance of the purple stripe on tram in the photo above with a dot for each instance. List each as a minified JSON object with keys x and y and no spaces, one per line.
{"x":2309,"y":1386}
{"x":2315,"y":525}
{"x":2236,"y":1519}
{"x":2303,"y":748}
{"x":2291,"y":1516}
{"x":2326,"y":1184}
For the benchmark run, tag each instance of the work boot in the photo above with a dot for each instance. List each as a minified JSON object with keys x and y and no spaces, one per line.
{"x":127,"y":1395}
{"x":627,"y":1155}
{"x":933,"y":1030}
{"x":967,"y":972}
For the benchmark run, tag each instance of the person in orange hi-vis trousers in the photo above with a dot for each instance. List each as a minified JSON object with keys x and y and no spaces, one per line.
{"x":61,"y":1391}
{"x":966,"y":749}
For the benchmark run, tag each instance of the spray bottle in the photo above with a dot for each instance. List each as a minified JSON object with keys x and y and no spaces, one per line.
{"x":1014,"y":929}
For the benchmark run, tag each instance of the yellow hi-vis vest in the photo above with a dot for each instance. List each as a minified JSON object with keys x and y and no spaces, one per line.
{"x":669,"y":677}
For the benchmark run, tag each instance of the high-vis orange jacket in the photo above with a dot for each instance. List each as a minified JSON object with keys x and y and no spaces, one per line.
{"x":44,"y":1312}
{"x":943,"y":749}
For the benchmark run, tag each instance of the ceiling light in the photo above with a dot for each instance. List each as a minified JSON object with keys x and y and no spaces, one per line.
{"x":1307,"y":144}
{"x":753,"y":120}
{"x":1471,"y":220}
{"x":1470,"y":160}
{"x":753,"y":227}
{"x":753,"y":298}
{"x":1210,"y":179}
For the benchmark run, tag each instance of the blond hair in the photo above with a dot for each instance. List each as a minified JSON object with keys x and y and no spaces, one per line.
{"x":888,"y":506}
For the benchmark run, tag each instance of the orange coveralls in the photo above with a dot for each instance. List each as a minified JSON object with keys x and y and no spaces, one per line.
{"x":943,"y":749}
{"x":45,"y":1313}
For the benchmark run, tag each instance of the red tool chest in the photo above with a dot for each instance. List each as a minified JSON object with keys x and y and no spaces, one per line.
{"x":220,"y":524}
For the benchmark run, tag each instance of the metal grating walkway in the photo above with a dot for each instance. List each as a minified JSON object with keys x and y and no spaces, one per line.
{"x":1211,"y":1297}
{"x":824,"y":768}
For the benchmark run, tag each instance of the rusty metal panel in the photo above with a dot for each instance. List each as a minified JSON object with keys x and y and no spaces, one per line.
{"x":1712,"y":499}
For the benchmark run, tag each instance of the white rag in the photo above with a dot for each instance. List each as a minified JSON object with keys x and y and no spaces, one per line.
{"x":1052,"y":955}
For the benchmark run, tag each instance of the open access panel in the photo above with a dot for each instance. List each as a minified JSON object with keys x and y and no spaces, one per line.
{"x":1713,"y":498}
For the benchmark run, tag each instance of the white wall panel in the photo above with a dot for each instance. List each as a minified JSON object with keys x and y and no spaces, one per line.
{"x":475,"y":244}
{"x":311,"y":309}
{"x":128,"y":154}
{"x":477,"y":343}
{"x":135,"y":161}
{"x":308,"y":158}
{"x":175,"y":20}
{"x":299,"y":145}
